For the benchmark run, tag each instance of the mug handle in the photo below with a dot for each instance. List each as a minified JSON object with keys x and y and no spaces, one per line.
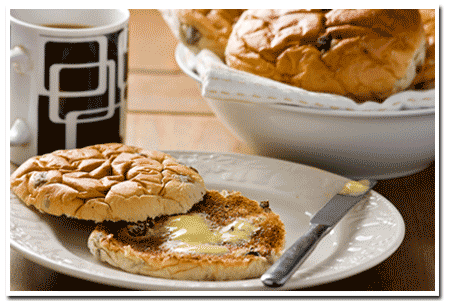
{"x":19,"y":133}
{"x":19,"y":60}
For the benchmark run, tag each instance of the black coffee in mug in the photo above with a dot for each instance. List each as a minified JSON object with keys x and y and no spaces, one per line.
{"x":67,"y":26}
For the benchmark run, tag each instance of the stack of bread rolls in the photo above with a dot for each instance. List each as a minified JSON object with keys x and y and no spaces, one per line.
{"x":363,"y":54}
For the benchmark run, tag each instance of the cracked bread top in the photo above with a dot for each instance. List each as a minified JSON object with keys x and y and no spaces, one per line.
{"x":108,"y":182}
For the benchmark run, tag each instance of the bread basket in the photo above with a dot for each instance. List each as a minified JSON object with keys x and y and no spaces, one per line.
{"x":370,"y":142}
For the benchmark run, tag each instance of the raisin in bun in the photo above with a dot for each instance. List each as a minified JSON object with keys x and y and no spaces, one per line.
{"x":366,"y":54}
{"x":207,"y":28}
{"x":107,"y":182}
{"x":426,"y":76}
{"x":226,"y":236}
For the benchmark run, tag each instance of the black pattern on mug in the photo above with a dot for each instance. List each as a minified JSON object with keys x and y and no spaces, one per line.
{"x":84,"y":86}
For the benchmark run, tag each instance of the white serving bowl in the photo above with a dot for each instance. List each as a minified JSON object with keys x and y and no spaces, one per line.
{"x":379,"y":145}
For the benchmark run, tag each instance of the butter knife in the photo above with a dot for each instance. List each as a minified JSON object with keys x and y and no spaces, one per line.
{"x":320,"y":225}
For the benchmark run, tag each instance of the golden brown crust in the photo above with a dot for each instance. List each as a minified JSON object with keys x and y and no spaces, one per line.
{"x":107,"y":182}
{"x":245,"y":260}
{"x":425,"y":79}
{"x":362,"y":54}
{"x":207,"y":28}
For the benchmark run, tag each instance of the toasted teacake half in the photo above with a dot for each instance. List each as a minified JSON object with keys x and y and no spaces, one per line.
{"x":226,"y":236}
{"x":108,"y":182}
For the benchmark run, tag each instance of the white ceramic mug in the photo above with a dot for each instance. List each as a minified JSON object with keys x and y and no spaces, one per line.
{"x":68,"y":84}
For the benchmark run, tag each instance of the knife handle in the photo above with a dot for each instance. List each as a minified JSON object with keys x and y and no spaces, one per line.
{"x":292,"y":258}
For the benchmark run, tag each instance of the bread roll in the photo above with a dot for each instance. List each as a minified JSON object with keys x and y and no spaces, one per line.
{"x":207,"y":28}
{"x":108,"y":182}
{"x":366,"y":54}
{"x":425,"y":79}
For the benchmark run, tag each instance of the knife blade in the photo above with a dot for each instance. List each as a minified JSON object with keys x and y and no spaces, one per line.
{"x":320,"y":225}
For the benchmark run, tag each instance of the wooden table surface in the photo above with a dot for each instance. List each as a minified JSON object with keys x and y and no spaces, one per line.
{"x":166,"y":111}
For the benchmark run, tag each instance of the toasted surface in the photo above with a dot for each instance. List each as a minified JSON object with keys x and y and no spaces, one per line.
{"x":366,"y":54}
{"x":207,"y":28}
{"x":425,"y":79}
{"x":107,"y":182}
{"x":155,"y":253}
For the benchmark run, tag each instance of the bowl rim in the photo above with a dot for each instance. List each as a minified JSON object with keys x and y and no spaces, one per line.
{"x":297,"y":109}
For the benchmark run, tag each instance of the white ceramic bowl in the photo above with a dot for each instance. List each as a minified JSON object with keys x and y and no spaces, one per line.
{"x":378,"y":145}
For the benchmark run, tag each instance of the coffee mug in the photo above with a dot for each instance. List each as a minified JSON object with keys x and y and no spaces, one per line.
{"x":68,"y":79}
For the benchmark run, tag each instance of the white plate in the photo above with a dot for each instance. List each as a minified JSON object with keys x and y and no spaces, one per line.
{"x":366,"y":236}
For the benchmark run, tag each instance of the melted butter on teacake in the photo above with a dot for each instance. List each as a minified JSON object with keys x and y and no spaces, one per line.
{"x":230,"y":218}
{"x":191,"y":233}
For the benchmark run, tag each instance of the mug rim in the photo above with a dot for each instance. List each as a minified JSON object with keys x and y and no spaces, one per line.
{"x":75,"y":32}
